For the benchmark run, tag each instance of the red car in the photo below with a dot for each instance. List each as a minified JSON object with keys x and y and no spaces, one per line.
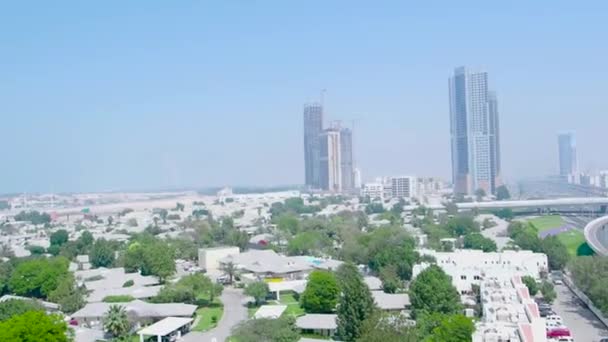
{"x":558,"y":332}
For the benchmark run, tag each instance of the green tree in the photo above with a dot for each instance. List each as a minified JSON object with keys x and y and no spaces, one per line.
{"x":116,"y":321}
{"x":390,"y":280}
{"x":502,"y":193}
{"x":355,"y":305}
{"x":306,"y":243}
{"x":102,"y":254}
{"x":391,"y":246}
{"x":461,"y":225}
{"x":524,"y":236}
{"x":163,"y":215}
{"x":374,"y":208}
{"x":266,"y":330}
{"x":230,"y":270}
{"x":38,"y":250}
{"x":480,"y":194}
{"x":258,"y":290}
{"x":238,"y":238}
{"x":387,"y":328}
{"x":151,"y":256}
{"x":68,"y":295}
{"x":47,"y":328}
{"x":453,"y":328}
{"x":432,"y":292}
{"x":505,"y":214}
{"x":289,"y":224}
{"x":38,"y":277}
{"x":556,"y":251}
{"x":478,"y":241}
{"x":548,"y":291}
{"x":321,"y":293}
{"x":59,"y":237}
{"x":34,"y":217}
{"x":531,"y":284}
{"x":85,"y":240}
{"x":14,"y":307}
{"x":159,"y":261}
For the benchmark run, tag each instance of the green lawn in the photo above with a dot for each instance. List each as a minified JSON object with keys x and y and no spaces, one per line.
{"x":206,"y":314}
{"x":547,"y":222}
{"x":251,"y":310}
{"x":293,"y":306}
{"x":572,"y":239}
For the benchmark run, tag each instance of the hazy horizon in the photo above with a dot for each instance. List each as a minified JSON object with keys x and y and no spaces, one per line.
{"x":121,"y":95}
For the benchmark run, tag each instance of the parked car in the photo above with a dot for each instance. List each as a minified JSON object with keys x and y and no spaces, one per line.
{"x":558,"y":332}
{"x":554,"y":318}
{"x":558,"y":282}
{"x":565,"y":339}
{"x":546,"y":312}
{"x":553,"y":325}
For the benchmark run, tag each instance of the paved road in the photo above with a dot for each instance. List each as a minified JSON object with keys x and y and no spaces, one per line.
{"x":234,"y":313}
{"x":497,"y":233}
{"x":583,"y":324}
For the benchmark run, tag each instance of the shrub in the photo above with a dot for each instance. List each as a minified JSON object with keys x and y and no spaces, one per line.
{"x":128,"y":283}
{"x":118,"y":299}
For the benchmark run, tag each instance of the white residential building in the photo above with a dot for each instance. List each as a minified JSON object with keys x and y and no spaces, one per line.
{"x":469,"y":266}
{"x":508,"y":313}
{"x":403,"y":187}
{"x":373,"y":190}
{"x":209,"y":258}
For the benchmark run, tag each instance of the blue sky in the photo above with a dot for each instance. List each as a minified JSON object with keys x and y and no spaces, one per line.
{"x":115,"y":95}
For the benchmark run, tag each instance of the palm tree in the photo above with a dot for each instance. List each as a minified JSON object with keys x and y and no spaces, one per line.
{"x":116,"y":321}
{"x":229,"y":269}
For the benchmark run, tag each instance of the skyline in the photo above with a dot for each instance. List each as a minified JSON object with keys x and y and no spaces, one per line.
{"x":126,"y":96}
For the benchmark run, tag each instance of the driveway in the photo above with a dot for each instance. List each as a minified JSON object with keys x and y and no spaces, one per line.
{"x":234,"y":313}
{"x":583,"y":324}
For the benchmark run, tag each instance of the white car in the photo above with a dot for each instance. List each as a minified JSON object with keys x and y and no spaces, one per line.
{"x":554,"y":318}
{"x":552,"y":325}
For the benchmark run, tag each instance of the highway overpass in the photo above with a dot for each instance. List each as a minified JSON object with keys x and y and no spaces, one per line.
{"x":596,"y":234}
{"x":557,"y":203}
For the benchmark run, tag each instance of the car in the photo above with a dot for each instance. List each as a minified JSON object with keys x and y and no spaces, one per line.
{"x":545,"y":313}
{"x":553,"y":325}
{"x":558,"y":282}
{"x":558,"y":332}
{"x":565,"y":339}
{"x":554,"y":318}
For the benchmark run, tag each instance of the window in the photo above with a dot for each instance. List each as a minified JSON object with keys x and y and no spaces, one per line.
{"x":463,"y":277}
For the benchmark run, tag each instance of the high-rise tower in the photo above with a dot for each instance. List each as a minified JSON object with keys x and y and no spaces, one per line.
{"x":474,"y":133}
{"x":568,"y":165}
{"x":313,"y":128}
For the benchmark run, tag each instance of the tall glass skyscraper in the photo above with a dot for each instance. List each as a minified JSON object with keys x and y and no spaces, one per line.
{"x":474,"y":128}
{"x":346,"y":158}
{"x":313,"y":129}
{"x":567,"y":154}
